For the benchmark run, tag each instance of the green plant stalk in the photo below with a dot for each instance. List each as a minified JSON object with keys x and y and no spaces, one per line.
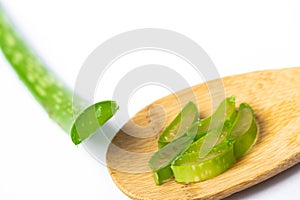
{"x":54,"y":96}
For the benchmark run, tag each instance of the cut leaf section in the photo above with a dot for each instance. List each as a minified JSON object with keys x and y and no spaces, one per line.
{"x":161,"y":160}
{"x":224,"y":112}
{"x":179,"y":125}
{"x":244,"y":131}
{"x":191,"y":168}
{"x":222,"y":131}
{"x":91,"y":119}
{"x":218,"y":141}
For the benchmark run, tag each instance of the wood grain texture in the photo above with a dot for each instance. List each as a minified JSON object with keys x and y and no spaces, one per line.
{"x":275,"y":98}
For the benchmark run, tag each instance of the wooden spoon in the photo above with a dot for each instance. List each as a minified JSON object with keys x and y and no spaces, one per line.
{"x":275,"y":98}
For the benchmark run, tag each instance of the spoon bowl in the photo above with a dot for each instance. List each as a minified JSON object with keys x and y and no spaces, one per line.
{"x":275,"y":98}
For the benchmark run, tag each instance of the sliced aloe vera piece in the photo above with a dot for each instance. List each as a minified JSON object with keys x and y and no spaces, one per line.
{"x":224,"y":112}
{"x":163,"y":174}
{"x":190,"y":168}
{"x":179,"y":125}
{"x":223,"y":131}
{"x":161,"y":160}
{"x":223,"y":116}
{"x":244,"y":131}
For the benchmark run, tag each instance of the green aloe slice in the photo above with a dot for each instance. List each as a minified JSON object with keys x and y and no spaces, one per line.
{"x":179,"y":125}
{"x":224,"y":112}
{"x":161,"y":160}
{"x":218,"y":141}
{"x":244,"y":132}
{"x":223,"y":116}
{"x":89,"y":121}
{"x":191,"y":168}
{"x":68,"y":110}
{"x":223,"y":131}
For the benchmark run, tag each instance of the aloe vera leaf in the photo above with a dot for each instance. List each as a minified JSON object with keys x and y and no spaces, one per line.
{"x":52,"y":94}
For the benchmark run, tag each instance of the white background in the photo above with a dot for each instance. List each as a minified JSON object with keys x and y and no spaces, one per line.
{"x":39,"y":161}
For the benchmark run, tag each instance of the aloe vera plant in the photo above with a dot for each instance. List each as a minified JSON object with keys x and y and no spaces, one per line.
{"x":72,"y":113}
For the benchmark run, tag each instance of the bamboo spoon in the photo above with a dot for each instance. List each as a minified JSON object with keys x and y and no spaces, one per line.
{"x":274,"y":96}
